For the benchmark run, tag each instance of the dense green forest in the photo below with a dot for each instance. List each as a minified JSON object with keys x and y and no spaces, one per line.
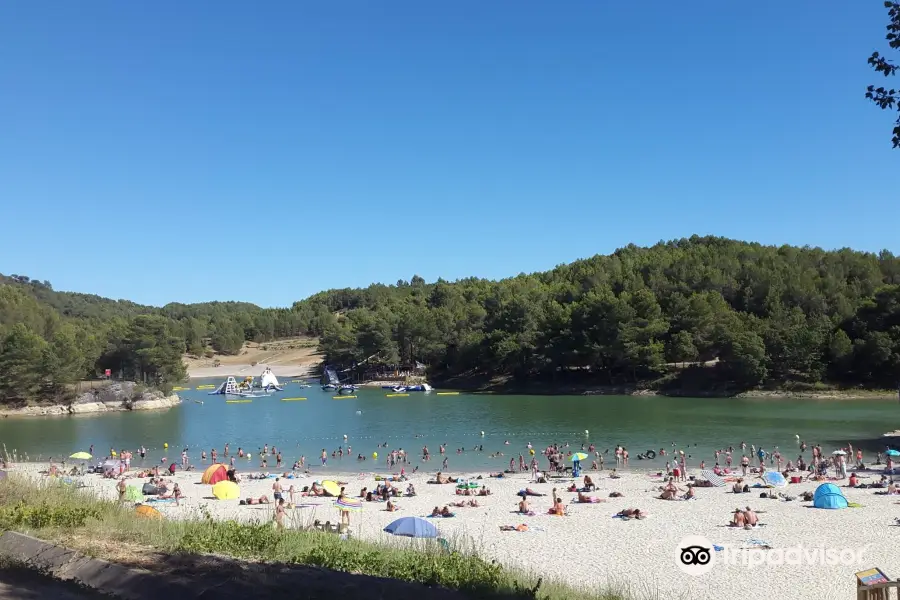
{"x":50,"y":339}
{"x":766,"y":316}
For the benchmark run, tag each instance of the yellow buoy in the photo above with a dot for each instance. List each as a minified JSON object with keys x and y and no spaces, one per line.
{"x":395,"y":395}
{"x":448,"y":393}
{"x":238,"y":401}
{"x":375,"y":455}
{"x":291,"y":399}
{"x":166,"y":445}
{"x":342,"y":397}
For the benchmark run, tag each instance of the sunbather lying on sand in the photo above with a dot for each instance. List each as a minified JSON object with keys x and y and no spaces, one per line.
{"x":260,"y":500}
{"x":588,"y":499}
{"x":442,"y":479}
{"x":463,"y":503}
{"x":529,"y":492}
{"x":631,"y":513}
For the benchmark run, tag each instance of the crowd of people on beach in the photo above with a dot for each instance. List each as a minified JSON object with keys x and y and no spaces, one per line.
{"x":745,"y":466}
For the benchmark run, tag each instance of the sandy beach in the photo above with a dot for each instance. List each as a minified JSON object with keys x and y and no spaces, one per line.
{"x":243,"y":370}
{"x":589,"y":546}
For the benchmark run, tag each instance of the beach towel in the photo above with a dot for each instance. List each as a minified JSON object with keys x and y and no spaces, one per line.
{"x":160,"y":500}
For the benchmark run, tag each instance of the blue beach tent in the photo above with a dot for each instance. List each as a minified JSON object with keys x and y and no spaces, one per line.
{"x":829,"y":495}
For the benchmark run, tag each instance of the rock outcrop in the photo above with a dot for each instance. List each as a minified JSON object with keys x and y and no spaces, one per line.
{"x":114,"y":397}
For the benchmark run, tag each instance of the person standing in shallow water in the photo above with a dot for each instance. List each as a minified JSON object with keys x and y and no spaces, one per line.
{"x":324,"y":457}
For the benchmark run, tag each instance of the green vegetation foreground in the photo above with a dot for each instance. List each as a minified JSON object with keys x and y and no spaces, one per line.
{"x":105,"y":529}
{"x":754,"y":315}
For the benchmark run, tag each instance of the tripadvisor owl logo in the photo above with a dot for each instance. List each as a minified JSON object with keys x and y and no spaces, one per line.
{"x":695,"y":555}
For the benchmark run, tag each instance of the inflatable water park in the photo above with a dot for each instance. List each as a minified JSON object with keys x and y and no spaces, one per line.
{"x":248,"y":388}
{"x":331,"y":382}
{"x":400,"y":389}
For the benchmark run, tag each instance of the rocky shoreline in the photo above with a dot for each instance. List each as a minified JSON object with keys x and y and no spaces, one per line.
{"x":116,"y":397}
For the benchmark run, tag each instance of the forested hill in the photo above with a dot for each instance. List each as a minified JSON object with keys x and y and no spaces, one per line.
{"x":49,"y":339}
{"x":767,"y":315}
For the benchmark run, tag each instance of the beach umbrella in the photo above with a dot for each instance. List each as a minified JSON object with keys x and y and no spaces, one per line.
{"x":331,"y":487}
{"x":148,"y":512}
{"x":579,"y":456}
{"x":133,"y":494}
{"x":892,"y":452}
{"x":712,"y":478}
{"x":81,"y":456}
{"x":839,"y":453}
{"x":775,"y":479}
{"x":414,"y":527}
{"x":345,"y":503}
{"x":226,"y":490}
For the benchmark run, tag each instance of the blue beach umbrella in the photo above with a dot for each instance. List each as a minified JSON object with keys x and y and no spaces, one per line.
{"x":892,"y":452}
{"x":775,"y":479}
{"x":414,"y":527}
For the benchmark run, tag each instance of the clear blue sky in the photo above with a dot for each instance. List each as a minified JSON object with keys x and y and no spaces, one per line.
{"x":178,"y":151}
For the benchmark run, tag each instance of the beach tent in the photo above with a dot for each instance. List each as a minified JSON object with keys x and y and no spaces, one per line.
{"x":133,"y":494}
{"x":829,"y":495}
{"x":214,"y":474}
{"x":148,"y":512}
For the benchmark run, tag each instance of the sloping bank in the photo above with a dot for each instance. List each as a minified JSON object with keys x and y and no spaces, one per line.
{"x":245,"y":560}
{"x":114,"y":397}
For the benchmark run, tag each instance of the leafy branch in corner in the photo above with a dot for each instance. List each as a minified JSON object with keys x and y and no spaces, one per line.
{"x":888,"y":99}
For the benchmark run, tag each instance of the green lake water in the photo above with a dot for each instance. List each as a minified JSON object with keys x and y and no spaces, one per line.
{"x":306,"y":427}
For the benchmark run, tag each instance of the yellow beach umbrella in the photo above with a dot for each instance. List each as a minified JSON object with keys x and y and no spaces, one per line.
{"x":81,"y":456}
{"x":226,"y":490}
{"x":331,"y":487}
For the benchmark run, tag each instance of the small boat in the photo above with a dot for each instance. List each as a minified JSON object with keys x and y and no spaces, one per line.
{"x":347,"y":389}
{"x":328,"y":387}
{"x":398,"y":389}
{"x":424,"y":387}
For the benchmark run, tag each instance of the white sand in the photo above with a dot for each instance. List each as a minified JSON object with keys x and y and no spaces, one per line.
{"x":601,"y":548}
{"x":245,"y":370}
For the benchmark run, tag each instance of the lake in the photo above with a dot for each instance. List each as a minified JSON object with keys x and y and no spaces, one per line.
{"x":306,"y":427}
